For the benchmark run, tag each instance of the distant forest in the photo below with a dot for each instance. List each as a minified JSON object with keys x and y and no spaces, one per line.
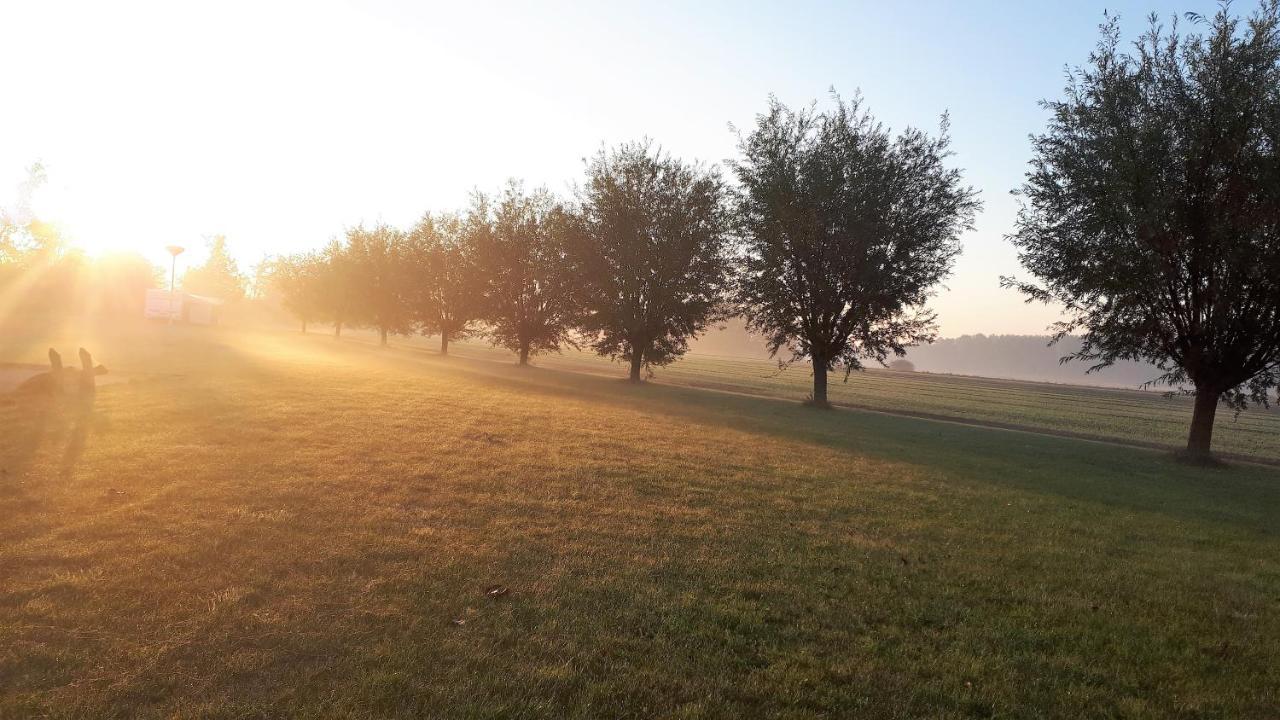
{"x":1015,"y":357}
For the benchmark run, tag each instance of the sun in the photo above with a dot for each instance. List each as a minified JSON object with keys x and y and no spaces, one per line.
{"x":84,"y":226}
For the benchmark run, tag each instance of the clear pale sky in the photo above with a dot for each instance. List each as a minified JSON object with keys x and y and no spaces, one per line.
{"x":279,"y":124}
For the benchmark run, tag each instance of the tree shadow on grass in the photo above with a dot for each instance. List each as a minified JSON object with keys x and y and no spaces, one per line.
{"x":1115,"y":476}
{"x":26,"y":423}
{"x":1129,"y":478}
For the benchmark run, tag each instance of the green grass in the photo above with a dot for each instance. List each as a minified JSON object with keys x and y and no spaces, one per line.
{"x":269,"y":525}
{"x":1136,"y":416}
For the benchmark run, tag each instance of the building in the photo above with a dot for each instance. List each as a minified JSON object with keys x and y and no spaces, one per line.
{"x":182,"y":307}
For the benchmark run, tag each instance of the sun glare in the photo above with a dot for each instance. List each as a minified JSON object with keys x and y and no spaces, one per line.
{"x":86,"y":228}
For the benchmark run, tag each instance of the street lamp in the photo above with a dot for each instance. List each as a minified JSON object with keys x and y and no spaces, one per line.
{"x":175,"y":251}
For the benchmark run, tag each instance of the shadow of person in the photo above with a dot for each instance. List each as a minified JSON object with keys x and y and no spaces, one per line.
{"x":81,"y":415}
{"x":26,"y":425}
{"x":41,"y":409}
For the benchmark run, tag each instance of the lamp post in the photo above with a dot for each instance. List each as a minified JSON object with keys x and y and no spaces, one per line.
{"x":175,"y":251}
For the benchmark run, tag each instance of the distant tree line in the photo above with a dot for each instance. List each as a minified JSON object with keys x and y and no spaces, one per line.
{"x":1025,"y":357}
{"x":830,"y":245}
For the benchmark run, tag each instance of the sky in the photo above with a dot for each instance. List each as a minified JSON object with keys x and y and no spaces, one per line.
{"x":279,"y":124}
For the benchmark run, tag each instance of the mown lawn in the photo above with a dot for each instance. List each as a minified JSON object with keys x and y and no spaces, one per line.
{"x":1127,"y":415}
{"x":265,"y":525}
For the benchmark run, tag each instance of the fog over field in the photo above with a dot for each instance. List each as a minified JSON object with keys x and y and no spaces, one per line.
{"x":1013,"y":357}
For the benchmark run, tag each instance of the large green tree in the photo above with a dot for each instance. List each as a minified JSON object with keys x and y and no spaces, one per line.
{"x":847,"y":229}
{"x":651,"y":254}
{"x":447,"y":287}
{"x":529,"y":302}
{"x":1152,"y":208}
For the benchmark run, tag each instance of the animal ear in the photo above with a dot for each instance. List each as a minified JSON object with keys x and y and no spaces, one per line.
{"x":86,"y":360}
{"x":55,"y":359}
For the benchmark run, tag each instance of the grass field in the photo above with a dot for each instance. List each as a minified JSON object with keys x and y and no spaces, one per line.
{"x":1134,"y":416}
{"x":265,"y":525}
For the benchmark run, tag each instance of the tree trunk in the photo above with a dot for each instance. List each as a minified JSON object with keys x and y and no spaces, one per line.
{"x":337,"y":330}
{"x":524,"y":355}
{"x":819,"y":383}
{"x":382,"y":336}
{"x":637,"y":362}
{"x":444,"y":342}
{"x":1201,"y":436}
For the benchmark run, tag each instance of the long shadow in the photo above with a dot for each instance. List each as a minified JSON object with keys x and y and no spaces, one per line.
{"x":25,"y":423}
{"x":1129,"y":478}
{"x":83,"y":420}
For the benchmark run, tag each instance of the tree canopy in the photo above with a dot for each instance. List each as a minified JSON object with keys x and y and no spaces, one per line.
{"x":447,"y":289}
{"x":375,"y":262}
{"x":528,"y":300}
{"x":219,"y":276}
{"x":1151,"y":211}
{"x":24,"y":238}
{"x":847,"y":229}
{"x":300,"y":282}
{"x":651,"y":253}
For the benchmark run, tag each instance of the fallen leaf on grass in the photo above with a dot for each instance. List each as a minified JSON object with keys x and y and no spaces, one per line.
{"x":496,"y":591}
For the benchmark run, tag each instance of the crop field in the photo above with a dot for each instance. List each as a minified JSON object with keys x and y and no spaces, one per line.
{"x":262,"y":524}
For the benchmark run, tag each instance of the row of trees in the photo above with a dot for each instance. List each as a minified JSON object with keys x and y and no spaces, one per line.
{"x":829,"y":247}
{"x":1151,"y":215}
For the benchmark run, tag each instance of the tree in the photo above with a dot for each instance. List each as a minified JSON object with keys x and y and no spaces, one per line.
{"x":258,"y":279}
{"x":1152,"y":209}
{"x":219,"y":276}
{"x":37,"y":268}
{"x":651,"y":254}
{"x":301,"y":283}
{"x":520,"y":250}
{"x":335,"y":278}
{"x":21,"y":233}
{"x":447,"y":288}
{"x":847,"y":229}
{"x":376,"y":263}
